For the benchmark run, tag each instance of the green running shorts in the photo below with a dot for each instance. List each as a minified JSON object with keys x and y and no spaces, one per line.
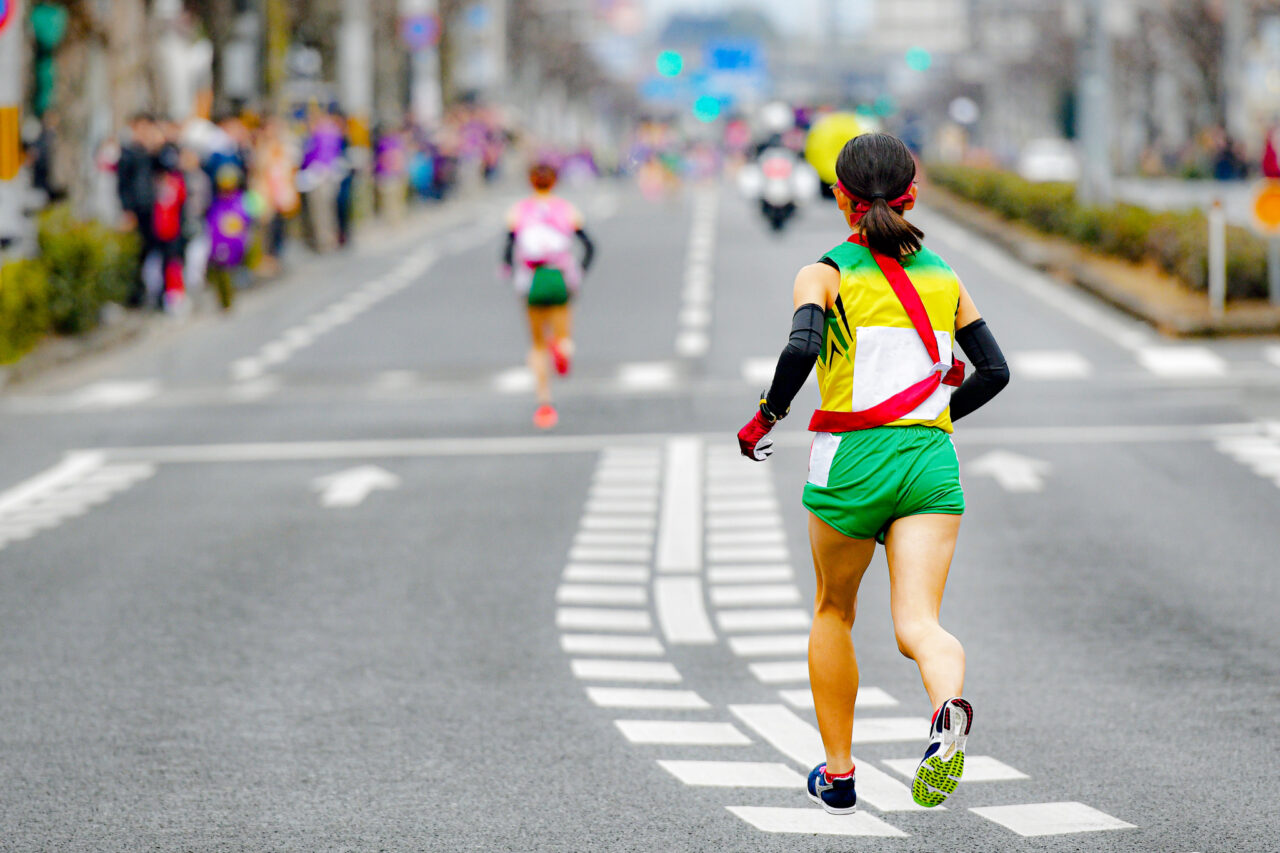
{"x":861,"y":482}
{"x":548,"y":287}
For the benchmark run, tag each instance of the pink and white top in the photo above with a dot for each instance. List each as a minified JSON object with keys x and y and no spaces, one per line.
{"x":544,"y":226}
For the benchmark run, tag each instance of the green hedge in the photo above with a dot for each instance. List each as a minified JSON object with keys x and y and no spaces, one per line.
{"x":88,"y":266}
{"x":1177,"y":241}
{"x":24,"y":307}
{"x":80,"y":267}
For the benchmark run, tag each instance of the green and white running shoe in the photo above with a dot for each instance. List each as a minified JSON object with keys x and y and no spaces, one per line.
{"x":943,"y":763}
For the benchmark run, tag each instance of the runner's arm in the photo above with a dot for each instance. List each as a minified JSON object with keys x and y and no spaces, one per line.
{"x":991,"y":372}
{"x":814,"y":290}
{"x":509,"y":251}
{"x":588,"y":249}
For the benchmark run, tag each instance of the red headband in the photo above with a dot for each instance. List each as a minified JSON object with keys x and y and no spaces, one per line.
{"x":861,"y":206}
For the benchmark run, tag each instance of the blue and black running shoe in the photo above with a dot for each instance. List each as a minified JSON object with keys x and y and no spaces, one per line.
{"x":943,"y":763}
{"x":835,"y":794}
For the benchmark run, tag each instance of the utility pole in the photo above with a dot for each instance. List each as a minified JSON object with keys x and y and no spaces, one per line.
{"x":276,"y":13}
{"x":12,"y":76}
{"x":1093,"y":94}
{"x":355,"y":61}
{"x":1235,"y":27}
{"x":420,"y":28}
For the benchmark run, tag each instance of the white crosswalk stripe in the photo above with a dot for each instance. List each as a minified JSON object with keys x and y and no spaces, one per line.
{"x":734,"y":774}
{"x":609,"y":644}
{"x":649,"y":698}
{"x":681,"y":733}
{"x":592,"y":669}
{"x":814,"y":821}
{"x":1037,"y":819}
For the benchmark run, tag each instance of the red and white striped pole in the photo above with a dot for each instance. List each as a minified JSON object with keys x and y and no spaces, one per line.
{"x":12,"y":59}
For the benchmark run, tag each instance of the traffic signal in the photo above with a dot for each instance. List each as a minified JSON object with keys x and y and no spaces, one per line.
{"x":49,"y":26}
{"x":670,"y":63}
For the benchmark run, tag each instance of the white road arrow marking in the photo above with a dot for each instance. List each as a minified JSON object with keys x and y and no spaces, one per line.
{"x":352,"y":486}
{"x":1014,"y":472}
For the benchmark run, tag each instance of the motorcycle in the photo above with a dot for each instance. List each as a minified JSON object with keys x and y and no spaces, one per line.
{"x":781,"y":183}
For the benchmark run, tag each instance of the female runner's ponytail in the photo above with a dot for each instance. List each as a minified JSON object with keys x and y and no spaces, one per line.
{"x":877,"y":171}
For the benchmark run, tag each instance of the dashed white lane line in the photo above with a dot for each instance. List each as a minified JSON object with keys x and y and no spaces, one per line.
{"x":800,"y":742}
{"x":1182,"y":362}
{"x":680,"y":534}
{"x":517,"y":380}
{"x":612,"y":537}
{"x":1037,"y":819}
{"x":677,"y":733}
{"x":749,"y":574}
{"x":647,"y":698}
{"x":1049,"y":365}
{"x":114,"y":394}
{"x":734,"y":774}
{"x":609,"y":644}
{"x":681,"y":615}
{"x":647,"y":376}
{"x":743,"y":595}
{"x":593,"y":669}
{"x":588,"y":553}
{"x":602,"y":619}
{"x":868,"y":697}
{"x":977,"y":768}
{"x":814,"y":821}
{"x":765,"y":645}
{"x":606,"y":521}
{"x":762,"y":620}
{"x":1272,"y":354}
{"x":780,"y":672}
{"x":692,"y":340}
{"x":590,"y":573}
{"x":603,"y":594}
{"x":343,"y":311}
{"x":1261,"y":454}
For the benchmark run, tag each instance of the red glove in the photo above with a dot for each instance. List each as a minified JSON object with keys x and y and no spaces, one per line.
{"x":753,"y":438}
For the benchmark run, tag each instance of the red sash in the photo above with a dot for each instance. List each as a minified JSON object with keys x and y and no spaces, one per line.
{"x":904,"y":402}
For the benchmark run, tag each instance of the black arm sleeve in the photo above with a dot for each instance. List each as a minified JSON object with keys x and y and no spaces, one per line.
{"x":803,"y":347}
{"x":509,"y":251}
{"x":990,"y":375}
{"x":588,"y":249}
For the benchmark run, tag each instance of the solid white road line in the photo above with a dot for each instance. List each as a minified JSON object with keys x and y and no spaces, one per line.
{"x":609,"y":644}
{"x":680,"y":534}
{"x":681,"y":733}
{"x":764,"y":645}
{"x":746,"y":595}
{"x":610,"y":594}
{"x":755,"y":554}
{"x":649,"y":698}
{"x":1050,"y":364}
{"x":681,"y":615}
{"x":734,"y":774}
{"x":800,"y":742}
{"x":977,"y":768}
{"x":760,"y":621}
{"x":599,"y":619}
{"x":589,"y":573}
{"x":868,"y":697}
{"x":1182,"y":362}
{"x":781,"y":672}
{"x":814,"y":821}
{"x":1036,"y":819}
{"x":748,"y":574}
{"x":593,"y":669}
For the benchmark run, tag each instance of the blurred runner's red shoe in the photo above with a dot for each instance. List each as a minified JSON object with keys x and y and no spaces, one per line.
{"x":545,"y":417}
{"x":560,"y":352}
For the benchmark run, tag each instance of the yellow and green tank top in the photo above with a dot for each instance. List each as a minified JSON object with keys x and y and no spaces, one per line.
{"x":870,"y":350}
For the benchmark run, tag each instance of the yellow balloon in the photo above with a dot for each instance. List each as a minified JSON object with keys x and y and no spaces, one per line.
{"x":828,"y":136}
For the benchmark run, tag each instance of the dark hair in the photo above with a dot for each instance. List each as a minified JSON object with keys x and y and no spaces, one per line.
{"x":878,"y":167}
{"x":543,"y":176}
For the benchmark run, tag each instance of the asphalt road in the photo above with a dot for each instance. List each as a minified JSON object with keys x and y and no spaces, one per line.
{"x":306,"y":577}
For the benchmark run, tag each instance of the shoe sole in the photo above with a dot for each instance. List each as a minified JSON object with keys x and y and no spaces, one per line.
{"x":935,"y":778}
{"x":830,"y":809}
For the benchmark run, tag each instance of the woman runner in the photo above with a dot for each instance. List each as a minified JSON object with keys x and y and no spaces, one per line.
{"x":539,"y":257}
{"x":878,"y":314}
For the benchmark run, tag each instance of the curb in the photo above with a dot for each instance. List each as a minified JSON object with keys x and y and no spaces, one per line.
{"x":1176,"y":310}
